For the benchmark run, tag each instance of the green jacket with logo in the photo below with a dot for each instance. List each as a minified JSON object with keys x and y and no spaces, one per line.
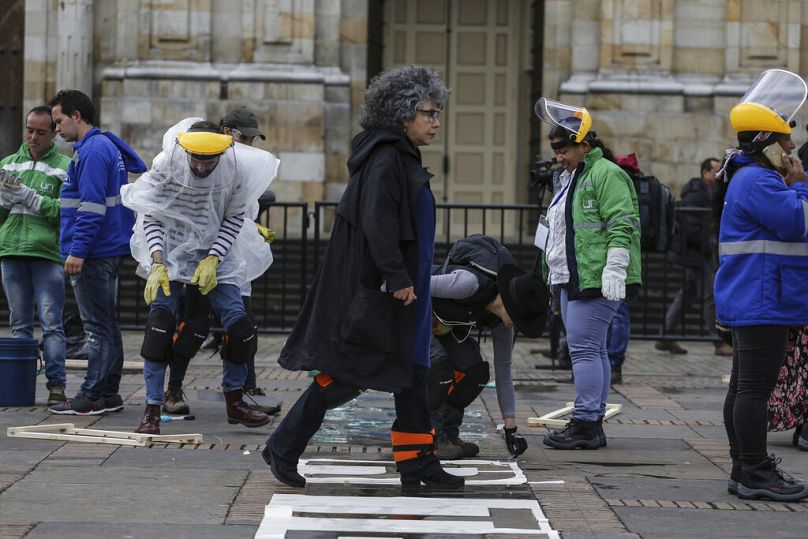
{"x":22,"y":232}
{"x":601,"y":213}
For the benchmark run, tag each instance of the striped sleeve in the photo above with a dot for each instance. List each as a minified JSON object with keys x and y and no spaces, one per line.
{"x":155,"y":233}
{"x":230,"y":228}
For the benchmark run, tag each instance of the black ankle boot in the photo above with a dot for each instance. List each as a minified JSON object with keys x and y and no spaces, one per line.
{"x":576,"y":433}
{"x":426,"y":469}
{"x":284,"y":472}
{"x":763,"y":480}
{"x":599,"y":430}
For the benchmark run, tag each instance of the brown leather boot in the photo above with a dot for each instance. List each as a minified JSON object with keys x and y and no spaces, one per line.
{"x":151,"y":420}
{"x":239,"y":412}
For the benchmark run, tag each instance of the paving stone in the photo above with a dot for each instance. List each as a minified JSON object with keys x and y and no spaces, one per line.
{"x":83,"y":530}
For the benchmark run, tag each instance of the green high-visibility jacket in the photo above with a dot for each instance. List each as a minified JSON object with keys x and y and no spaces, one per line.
{"x":22,"y":231}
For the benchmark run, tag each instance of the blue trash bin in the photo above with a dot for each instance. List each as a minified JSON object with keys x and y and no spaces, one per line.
{"x":18,"y":365}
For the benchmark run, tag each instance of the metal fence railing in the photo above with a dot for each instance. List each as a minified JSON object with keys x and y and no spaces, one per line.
{"x":302,"y":237}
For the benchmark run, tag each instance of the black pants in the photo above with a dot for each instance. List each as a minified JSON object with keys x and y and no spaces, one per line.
{"x":290,"y":438}
{"x":461,"y":356}
{"x":758,"y":354}
{"x":196,"y":303}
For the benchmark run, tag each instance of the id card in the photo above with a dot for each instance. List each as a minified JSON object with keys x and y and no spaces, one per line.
{"x":542,"y":233}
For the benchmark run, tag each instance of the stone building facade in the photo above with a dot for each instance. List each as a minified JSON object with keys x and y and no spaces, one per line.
{"x":659,"y":76}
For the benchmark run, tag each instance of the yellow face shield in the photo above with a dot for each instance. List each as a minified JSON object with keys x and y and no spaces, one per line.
{"x":204,"y":142}
{"x":770,"y":104}
{"x":576,"y":120}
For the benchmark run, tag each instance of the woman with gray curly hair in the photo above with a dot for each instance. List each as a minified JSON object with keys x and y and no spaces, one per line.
{"x":367,"y":319}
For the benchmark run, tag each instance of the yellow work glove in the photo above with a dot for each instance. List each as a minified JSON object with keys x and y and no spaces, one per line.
{"x":205,"y":274}
{"x":267,"y":233}
{"x":158,"y":277}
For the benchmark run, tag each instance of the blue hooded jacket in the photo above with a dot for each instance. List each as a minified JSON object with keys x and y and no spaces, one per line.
{"x":94,"y":223}
{"x":763,"y":250}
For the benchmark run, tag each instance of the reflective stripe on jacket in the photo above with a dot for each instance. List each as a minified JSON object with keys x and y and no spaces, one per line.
{"x":763,"y":250}
{"x":602,"y":213}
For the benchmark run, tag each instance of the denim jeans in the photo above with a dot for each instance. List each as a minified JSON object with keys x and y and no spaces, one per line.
{"x":587,"y":321}
{"x":619,"y":333}
{"x":226,"y":302}
{"x":29,"y":280}
{"x":96,"y":289}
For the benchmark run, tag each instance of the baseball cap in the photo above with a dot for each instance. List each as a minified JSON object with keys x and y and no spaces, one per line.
{"x":244,"y":120}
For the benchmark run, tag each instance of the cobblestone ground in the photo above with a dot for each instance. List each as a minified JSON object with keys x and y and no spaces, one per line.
{"x":663,"y":473}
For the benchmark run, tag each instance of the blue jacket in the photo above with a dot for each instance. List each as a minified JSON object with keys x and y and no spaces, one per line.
{"x":763,"y":250}
{"x":94,"y":223}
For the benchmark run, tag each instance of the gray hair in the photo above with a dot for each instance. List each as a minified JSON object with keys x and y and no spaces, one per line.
{"x":394,"y":96}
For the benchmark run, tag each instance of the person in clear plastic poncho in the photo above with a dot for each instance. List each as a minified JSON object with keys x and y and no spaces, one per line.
{"x":192,"y":205}
{"x":760,"y":290}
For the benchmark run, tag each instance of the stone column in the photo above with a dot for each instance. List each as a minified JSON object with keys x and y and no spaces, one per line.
{"x":74,"y":65}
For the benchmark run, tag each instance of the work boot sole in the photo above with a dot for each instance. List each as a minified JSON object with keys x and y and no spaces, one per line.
{"x":577,"y":444}
{"x":177,"y":410}
{"x":746,"y":493}
{"x":250,"y":424}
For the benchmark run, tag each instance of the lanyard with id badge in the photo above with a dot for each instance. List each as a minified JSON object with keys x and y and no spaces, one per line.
{"x":543,"y":228}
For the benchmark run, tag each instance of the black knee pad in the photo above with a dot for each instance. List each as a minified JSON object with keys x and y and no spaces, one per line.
{"x":438,"y":382}
{"x":239,"y":342}
{"x":159,"y":334}
{"x":190,"y":335}
{"x":468,"y":385}
{"x":335,"y":393}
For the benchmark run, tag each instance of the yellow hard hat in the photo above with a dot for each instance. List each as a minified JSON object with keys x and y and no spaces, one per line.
{"x":756,"y":117}
{"x":204,"y":142}
{"x":770,"y":104}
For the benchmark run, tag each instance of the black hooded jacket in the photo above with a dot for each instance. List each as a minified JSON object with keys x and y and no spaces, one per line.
{"x":348,"y":327}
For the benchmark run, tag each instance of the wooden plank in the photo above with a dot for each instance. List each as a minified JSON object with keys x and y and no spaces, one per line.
{"x":551,"y":419}
{"x":68,"y":432}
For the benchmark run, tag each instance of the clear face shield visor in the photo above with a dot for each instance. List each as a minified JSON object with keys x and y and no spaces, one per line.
{"x":771,"y":103}
{"x":576,"y":120}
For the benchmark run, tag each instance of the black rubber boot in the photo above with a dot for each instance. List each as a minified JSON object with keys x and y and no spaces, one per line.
{"x":599,"y":430}
{"x":284,"y":472}
{"x":577,"y":433}
{"x":764,"y":481}
{"x":426,"y":469}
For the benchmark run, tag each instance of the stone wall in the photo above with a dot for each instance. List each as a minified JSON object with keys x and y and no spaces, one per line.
{"x":660,"y":76}
{"x":298,"y":64}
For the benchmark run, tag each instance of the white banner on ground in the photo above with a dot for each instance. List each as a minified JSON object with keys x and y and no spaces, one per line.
{"x":397,"y":515}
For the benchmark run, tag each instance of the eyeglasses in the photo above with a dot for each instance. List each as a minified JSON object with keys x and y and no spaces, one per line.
{"x":432,"y":116}
{"x":244,"y":138}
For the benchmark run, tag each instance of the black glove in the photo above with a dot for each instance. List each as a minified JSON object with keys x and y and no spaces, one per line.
{"x":515,"y":443}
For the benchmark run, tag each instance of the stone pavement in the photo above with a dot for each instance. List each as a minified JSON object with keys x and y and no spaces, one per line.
{"x":663,"y":474}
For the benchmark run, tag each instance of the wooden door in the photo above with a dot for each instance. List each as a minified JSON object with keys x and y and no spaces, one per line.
{"x":12,"y":30}
{"x":476,"y":46}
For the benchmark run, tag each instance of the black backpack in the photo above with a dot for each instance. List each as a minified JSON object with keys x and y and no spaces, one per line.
{"x":480,"y":252}
{"x":483,"y":256}
{"x":657,"y":210}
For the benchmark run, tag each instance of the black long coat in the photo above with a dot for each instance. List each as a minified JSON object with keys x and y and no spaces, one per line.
{"x":348,"y":328}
